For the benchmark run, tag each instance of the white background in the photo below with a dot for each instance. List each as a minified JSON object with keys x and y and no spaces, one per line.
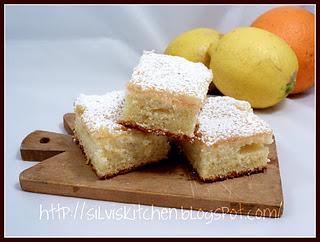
{"x":54,"y":53}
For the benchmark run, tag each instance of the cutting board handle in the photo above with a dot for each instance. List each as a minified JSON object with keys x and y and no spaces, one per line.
{"x":40,"y":145}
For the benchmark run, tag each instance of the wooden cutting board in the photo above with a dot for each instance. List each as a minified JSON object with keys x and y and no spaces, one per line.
{"x":171,"y":183}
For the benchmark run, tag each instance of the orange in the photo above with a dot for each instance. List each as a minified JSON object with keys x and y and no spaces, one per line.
{"x":296,"y":26}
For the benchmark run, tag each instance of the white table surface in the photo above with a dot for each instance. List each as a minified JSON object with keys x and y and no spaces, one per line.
{"x":55,"y":53}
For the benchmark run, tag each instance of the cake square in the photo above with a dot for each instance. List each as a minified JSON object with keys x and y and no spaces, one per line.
{"x":165,"y":94}
{"x":109,"y":147}
{"x":230,"y":140}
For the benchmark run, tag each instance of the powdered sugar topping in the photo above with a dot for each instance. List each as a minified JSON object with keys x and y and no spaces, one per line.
{"x":224,"y":117}
{"x":172,"y":74}
{"x":101,"y":112}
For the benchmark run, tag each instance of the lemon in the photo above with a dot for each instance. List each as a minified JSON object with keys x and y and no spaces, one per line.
{"x":254,"y":65}
{"x":193,"y":45}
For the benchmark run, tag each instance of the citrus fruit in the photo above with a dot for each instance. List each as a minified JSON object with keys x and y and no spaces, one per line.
{"x":254,"y":65}
{"x":296,"y":26}
{"x":193,"y":45}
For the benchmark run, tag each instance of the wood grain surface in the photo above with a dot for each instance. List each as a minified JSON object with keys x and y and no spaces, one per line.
{"x":170,"y":183}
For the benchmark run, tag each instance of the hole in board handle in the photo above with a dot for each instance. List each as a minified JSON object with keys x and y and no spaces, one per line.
{"x":44,"y":140}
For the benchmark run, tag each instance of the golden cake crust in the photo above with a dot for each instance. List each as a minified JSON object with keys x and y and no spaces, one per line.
{"x":155,"y":131}
{"x":234,"y":174}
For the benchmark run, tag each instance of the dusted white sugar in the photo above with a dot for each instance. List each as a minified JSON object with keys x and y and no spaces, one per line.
{"x":172,"y":74}
{"x":101,"y":112}
{"x":222,"y":118}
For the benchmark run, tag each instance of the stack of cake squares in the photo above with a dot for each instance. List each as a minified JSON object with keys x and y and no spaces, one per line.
{"x":166,"y":101}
